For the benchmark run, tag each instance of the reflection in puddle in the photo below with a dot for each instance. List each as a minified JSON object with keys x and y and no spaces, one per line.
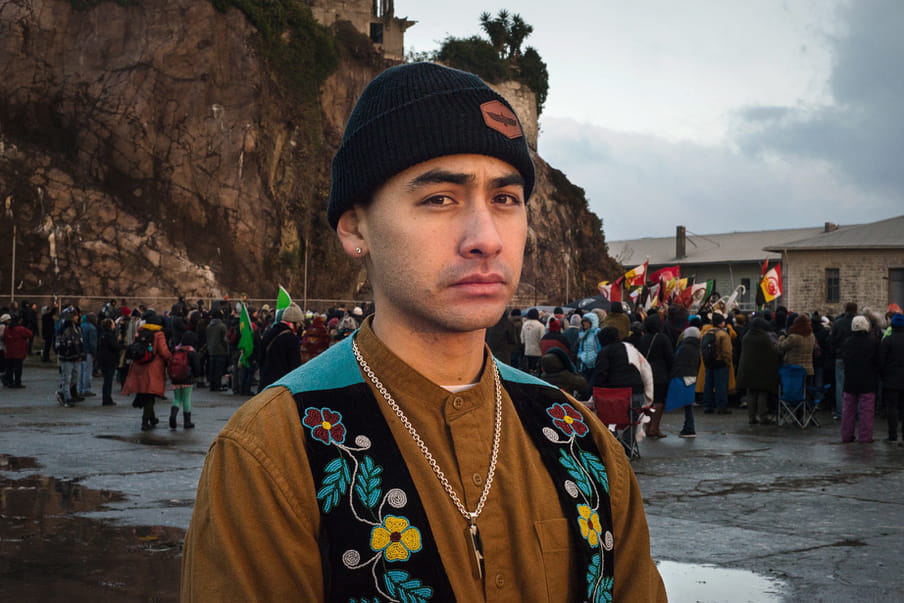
{"x":689,"y":582}
{"x":49,"y":554}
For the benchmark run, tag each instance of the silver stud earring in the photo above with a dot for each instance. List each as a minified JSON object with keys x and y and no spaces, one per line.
{"x":358,"y":250}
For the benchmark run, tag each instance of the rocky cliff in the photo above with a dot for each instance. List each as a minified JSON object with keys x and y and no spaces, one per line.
{"x":154,"y":148}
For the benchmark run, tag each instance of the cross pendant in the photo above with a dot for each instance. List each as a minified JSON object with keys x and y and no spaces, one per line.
{"x":476,"y":547}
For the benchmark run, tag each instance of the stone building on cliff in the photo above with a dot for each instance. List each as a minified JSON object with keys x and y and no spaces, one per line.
{"x":374,"y":18}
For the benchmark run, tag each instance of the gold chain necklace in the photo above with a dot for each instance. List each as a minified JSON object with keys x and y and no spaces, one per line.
{"x":470,"y":516}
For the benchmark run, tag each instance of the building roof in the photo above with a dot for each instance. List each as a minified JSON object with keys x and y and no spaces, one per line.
{"x":709,"y":249}
{"x":883,"y":234}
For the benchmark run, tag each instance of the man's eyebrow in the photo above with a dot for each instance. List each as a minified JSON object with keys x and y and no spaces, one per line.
{"x":439,"y":176}
{"x":508,"y":180}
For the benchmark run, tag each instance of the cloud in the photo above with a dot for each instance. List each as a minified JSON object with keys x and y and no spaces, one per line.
{"x":860,"y":134}
{"x":642,"y":185}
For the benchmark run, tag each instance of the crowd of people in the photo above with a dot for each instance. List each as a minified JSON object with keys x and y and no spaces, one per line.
{"x":673,"y":359}
{"x":185,"y":346}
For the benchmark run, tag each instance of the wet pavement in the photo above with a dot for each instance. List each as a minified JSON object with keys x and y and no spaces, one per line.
{"x":92,"y":508}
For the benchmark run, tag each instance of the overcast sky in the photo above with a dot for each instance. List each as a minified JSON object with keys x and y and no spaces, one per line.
{"x":719,"y":115}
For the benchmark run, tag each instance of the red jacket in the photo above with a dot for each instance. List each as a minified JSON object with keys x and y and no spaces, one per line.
{"x":15,"y":339}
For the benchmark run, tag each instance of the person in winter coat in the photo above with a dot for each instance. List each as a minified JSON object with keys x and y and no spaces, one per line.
{"x":588,"y":345}
{"x":891,"y":368}
{"x":618,"y":319}
{"x":69,"y":350}
{"x":571,"y":335}
{"x":798,"y":345}
{"x":108,"y":350}
{"x":518,"y":348}
{"x":48,"y":331}
{"x":841,"y":332}
{"x":501,"y":338}
{"x":718,"y":379}
{"x":554,"y":338}
{"x":619,"y":364}
{"x":217,"y":350}
{"x":657,"y":349}
{"x":315,"y":339}
{"x":861,"y":376}
{"x":148,"y":381}
{"x":758,"y":371}
{"x":683,"y":379}
{"x":531,"y":333}
{"x":281,"y":347}
{"x":15,"y":341}
{"x":89,"y":340}
{"x":557,"y":369}
{"x":184,"y":384}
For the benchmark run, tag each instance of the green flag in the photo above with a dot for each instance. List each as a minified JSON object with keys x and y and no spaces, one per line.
{"x":282,"y":302}
{"x":246,"y":338}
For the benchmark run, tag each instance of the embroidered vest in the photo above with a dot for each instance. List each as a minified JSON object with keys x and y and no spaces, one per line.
{"x":376,"y":542}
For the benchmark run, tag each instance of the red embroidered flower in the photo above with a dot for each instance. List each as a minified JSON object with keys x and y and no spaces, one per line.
{"x":325,"y":425}
{"x":567,"y":419}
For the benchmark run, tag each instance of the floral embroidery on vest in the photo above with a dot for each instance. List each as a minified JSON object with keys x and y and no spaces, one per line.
{"x":588,"y":475}
{"x":354,"y":479}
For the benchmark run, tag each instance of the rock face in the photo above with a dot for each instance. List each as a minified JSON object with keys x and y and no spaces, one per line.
{"x":147,"y":150}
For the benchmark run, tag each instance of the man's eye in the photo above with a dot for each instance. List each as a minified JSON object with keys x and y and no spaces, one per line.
{"x":438,"y":200}
{"x":507,"y":199}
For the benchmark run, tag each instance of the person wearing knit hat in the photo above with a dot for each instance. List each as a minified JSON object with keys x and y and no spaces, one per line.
{"x":366,"y":446}
{"x":861,"y":378}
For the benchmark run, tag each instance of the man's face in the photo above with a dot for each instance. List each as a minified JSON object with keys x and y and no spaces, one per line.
{"x":445,"y":243}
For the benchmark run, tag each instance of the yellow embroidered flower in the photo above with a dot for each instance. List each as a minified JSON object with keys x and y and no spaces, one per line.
{"x":397,"y":538}
{"x":589,"y":522}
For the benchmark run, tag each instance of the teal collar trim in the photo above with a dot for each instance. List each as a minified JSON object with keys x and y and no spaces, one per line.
{"x":333,"y":369}
{"x":513,"y":375}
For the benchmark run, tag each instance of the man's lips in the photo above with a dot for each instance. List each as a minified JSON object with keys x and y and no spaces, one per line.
{"x":480,"y":279}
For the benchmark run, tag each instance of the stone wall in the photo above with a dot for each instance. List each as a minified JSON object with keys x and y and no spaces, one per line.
{"x":863,"y":276}
{"x":524,"y":101}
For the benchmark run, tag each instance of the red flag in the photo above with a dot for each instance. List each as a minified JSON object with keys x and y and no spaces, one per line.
{"x":636,"y":276}
{"x":771,"y":284}
{"x":764,"y":268}
{"x":665,"y":274}
{"x":615,"y":293}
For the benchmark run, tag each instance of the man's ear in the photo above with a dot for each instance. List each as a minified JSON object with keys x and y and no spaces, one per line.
{"x":351,"y":232}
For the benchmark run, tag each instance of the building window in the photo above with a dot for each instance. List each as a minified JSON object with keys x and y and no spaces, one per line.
{"x":376,"y":33}
{"x":833,"y":285}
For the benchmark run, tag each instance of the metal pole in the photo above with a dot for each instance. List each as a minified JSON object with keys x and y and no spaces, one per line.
{"x":305,"y":273}
{"x":12,"y":281}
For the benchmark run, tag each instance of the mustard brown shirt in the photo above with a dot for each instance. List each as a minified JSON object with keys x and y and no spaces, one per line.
{"x":254,"y":532}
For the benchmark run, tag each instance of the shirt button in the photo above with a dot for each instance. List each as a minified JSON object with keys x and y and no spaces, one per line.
{"x":477,"y":479}
{"x":500,"y":580}
{"x":457,"y":403}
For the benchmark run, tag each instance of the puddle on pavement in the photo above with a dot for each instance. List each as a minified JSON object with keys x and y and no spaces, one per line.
{"x":49,"y":554}
{"x":695,"y":583}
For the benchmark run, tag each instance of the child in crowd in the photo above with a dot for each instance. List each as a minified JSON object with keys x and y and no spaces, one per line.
{"x":183,"y":368}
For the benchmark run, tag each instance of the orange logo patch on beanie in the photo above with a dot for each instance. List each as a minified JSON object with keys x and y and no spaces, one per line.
{"x":499,"y":117}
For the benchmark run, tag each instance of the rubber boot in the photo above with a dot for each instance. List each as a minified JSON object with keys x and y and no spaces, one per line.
{"x":145,"y":424}
{"x":173,"y":412}
{"x":186,"y":421}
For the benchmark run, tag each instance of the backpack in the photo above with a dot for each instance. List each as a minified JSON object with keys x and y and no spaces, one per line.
{"x":179,"y":368}
{"x":141,"y":351}
{"x":69,"y":345}
{"x":709,"y":350}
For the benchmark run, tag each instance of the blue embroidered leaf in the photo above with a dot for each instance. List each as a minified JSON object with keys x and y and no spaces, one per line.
{"x":604,"y":591}
{"x":364,"y":600}
{"x":335,"y":483}
{"x":595,"y":467}
{"x":576,"y":471}
{"x":403,"y":587}
{"x":593,"y":573}
{"x":368,"y":482}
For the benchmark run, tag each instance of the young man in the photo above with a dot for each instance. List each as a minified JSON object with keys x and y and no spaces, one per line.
{"x":404,"y":463}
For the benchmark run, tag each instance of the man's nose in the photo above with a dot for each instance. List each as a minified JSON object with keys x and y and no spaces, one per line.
{"x":481,"y":237}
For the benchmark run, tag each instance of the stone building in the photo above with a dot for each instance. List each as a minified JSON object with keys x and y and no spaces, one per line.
{"x":861,"y":263}
{"x":822,"y":267}
{"x":374,"y":18}
{"x":729,"y":259}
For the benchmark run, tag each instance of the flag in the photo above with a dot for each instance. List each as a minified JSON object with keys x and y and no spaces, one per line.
{"x":616,"y":293}
{"x":246,"y":338}
{"x":283,"y":300}
{"x":764,"y":267}
{"x":665,"y":274}
{"x":637,"y":275}
{"x":700,"y":293}
{"x":771,"y":283}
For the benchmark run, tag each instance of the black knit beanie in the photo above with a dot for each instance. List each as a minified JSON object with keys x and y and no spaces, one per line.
{"x":416,"y":112}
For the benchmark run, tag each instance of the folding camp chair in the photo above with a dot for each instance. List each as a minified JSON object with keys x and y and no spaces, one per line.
{"x":614,"y":408}
{"x":815,"y":398}
{"x":792,"y":395}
